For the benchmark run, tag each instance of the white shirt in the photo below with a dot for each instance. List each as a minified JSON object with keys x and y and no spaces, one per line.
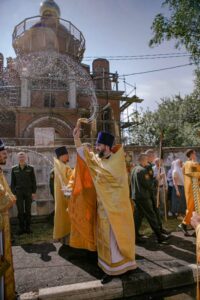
{"x":163,"y":177}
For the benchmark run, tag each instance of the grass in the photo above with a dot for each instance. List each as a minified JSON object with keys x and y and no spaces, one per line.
{"x":171,"y":224}
{"x":43,"y":232}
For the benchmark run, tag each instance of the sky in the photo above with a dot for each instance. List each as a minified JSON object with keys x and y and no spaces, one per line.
{"x":113,"y":28}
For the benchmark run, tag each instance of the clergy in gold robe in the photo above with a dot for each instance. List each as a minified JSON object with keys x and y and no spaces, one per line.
{"x":7,"y":199}
{"x":198,"y":256}
{"x":190,"y":169}
{"x":62,"y":174}
{"x":195,"y":222}
{"x":82,"y":206}
{"x":115,"y":234}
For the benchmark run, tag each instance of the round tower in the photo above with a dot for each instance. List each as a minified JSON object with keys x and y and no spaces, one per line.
{"x":48,"y":32}
{"x":101,"y":71}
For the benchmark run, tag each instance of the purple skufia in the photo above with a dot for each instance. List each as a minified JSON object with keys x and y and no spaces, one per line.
{"x":105,"y":138}
{"x":61,"y":151}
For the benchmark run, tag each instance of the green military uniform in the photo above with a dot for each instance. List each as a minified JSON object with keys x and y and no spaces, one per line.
{"x":51,"y":182}
{"x":154,"y":185}
{"x":141,"y":192}
{"x":51,"y":187}
{"x":23,"y":185}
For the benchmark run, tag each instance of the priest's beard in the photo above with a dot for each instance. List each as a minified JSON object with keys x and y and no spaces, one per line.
{"x":101,"y":153}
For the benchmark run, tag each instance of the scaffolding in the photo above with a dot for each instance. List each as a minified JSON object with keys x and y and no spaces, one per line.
{"x":128,"y":101}
{"x":128,"y":122}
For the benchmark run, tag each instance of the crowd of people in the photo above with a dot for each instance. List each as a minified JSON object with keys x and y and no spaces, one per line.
{"x":157,"y":195}
{"x":96,"y":207}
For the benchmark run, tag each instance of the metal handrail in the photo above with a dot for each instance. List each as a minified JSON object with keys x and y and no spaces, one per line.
{"x":28,"y":23}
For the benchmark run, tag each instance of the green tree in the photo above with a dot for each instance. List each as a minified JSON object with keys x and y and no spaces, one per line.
{"x":144,"y":131}
{"x":183,"y":25}
{"x":177,"y":118}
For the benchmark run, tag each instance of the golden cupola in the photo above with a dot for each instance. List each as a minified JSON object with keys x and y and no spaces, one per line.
{"x":49,"y":7}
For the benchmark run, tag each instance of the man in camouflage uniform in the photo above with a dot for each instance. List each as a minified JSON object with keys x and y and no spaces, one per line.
{"x":23,"y":185}
{"x":141,"y":189}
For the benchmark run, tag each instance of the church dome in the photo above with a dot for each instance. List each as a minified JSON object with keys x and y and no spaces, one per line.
{"x":49,"y":6}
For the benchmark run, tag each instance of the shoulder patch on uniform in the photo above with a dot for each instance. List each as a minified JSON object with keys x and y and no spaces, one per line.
{"x":193,"y":169}
{"x":30,"y":166}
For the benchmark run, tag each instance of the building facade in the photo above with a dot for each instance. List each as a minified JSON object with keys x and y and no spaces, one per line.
{"x":48,"y":86}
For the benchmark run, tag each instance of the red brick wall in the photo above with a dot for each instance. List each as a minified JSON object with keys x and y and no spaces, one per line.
{"x":38,"y":98}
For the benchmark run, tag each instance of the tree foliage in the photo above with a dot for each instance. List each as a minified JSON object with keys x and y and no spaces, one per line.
{"x":183,"y":25}
{"x":177,"y":117}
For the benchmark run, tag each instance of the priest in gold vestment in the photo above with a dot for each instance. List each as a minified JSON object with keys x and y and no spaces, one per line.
{"x":190,"y":169}
{"x":82,"y":206}
{"x":62,"y":174}
{"x":7,"y":199}
{"x":195,"y":222}
{"x":114,"y":234}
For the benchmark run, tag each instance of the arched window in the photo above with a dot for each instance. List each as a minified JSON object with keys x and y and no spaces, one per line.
{"x":107,"y":120}
{"x":49,"y":100}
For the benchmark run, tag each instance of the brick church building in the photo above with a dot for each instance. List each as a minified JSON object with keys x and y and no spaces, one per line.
{"x":48,"y":86}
